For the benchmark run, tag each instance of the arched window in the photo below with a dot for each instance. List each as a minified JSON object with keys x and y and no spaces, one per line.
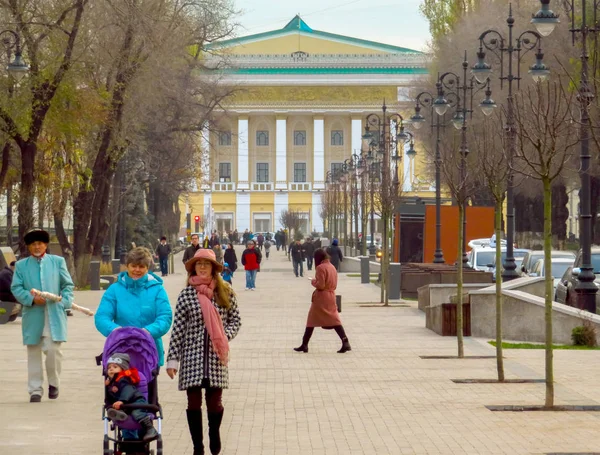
{"x":262,"y":138}
{"x":337,"y":137}
{"x":299,"y":137}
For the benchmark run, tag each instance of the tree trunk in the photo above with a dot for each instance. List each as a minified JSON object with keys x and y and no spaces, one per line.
{"x":549,"y":291}
{"x":459,"y":282}
{"x":384,"y":257}
{"x":26,"y":192}
{"x":499,"y":296}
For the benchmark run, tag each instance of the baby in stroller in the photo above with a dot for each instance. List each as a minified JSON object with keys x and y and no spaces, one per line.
{"x":130,"y":370}
{"x":121,"y":381}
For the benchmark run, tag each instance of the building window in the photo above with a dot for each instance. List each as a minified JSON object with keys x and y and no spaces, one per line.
{"x":225,"y":138}
{"x":299,"y":172}
{"x":262,"y":138}
{"x":336,"y":169}
{"x":262,"y":172}
{"x":224,"y":172}
{"x":299,"y":137}
{"x":337,"y":137}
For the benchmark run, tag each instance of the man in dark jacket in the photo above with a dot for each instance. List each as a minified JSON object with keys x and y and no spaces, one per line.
{"x":251,"y":258}
{"x":309,"y":252}
{"x":335,"y":252}
{"x":191,"y":250}
{"x":6,"y":275}
{"x":162,"y":251}
{"x":297,"y":255}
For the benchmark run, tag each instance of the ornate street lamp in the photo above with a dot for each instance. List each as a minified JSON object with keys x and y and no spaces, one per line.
{"x":17,"y":68}
{"x":496,"y":43}
{"x":545,"y":20}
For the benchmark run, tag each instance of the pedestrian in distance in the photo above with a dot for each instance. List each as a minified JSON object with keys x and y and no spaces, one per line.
{"x":230,"y":257}
{"x":6,"y":295}
{"x":191,"y":250}
{"x":44,"y":325}
{"x":227,"y":273}
{"x":335,"y":253}
{"x":297,"y":255}
{"x":206,"y":320}
{"x":205,"y":242}
{"x":278,"y":239}
{"x":309,"y":252}
{"x":260,"y":239}
{"x":162,"y":251}
{"x":251,"y":258}
{"x":323,"y":309}
{"x":267,"y":245}
{"x":218,"y":253}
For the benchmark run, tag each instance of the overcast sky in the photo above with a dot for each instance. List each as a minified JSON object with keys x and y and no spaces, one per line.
{"x":396,"y":22}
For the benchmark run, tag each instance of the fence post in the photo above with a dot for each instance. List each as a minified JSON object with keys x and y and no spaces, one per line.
{"x":394,"y":281}
{"x":95,"y":275}
{"x":365,"y":277}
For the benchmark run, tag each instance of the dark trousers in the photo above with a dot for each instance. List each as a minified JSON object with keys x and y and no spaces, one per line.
{"x":164,"y":265}
{"x":298,"y":265}
{"x":213,"y":398}
{"x":309,"y":262}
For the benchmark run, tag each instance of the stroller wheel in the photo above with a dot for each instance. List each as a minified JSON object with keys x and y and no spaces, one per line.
{"x":106,"y":446}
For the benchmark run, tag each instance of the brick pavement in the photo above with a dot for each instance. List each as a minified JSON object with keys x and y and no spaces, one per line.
{"x":381,"y":398}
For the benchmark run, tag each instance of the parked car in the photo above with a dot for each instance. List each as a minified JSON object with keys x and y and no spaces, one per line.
{"x":559,"y":267}
{"x":565,"y":289}
{"x":484,"y":258}
{"x":533,"y":256}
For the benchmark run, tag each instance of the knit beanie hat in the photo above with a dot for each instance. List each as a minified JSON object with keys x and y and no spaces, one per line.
{"x":119,"y":359}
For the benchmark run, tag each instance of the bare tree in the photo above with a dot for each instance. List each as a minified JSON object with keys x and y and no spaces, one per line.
{"x":547,"y":137}
{"x":489,"y":148}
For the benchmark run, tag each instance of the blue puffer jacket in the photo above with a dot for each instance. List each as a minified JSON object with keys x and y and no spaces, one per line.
{"x":141,"y":303}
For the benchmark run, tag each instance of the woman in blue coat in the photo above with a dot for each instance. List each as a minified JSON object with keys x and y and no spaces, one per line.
{"x":136,"y":299}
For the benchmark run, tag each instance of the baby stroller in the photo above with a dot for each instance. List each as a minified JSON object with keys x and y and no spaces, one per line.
{"x":141,"y":348}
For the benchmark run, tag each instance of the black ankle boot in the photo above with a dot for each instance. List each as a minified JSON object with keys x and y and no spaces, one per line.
{"x":214,"y":434}
{"x":150,"y":432}
{"x":345,"y":346}
{"x":194,"y":418}
{"x":308,"y":331}
{"x":301,"y":348}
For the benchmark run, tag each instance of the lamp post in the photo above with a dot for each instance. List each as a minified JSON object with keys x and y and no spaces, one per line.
{"x":17,"y":69}
{"x":417,"y":120}
{"x":343,"y":179}
{"x":328,"y":201}
{"x":374,"y":177}
{"x":545,"y":20}
{"x":496,"y":43}
{"x":450,"y":84}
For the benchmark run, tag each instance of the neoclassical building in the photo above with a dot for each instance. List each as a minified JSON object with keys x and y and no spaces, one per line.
{"x":299,"y":110}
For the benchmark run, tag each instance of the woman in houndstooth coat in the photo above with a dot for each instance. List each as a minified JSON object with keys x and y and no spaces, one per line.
{"x":206,"y":319}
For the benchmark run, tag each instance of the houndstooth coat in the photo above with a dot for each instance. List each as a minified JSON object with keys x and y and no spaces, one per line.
{"x":190,"y":345}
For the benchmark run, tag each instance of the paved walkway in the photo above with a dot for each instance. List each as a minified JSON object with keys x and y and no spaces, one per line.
{"x":381,"y":398}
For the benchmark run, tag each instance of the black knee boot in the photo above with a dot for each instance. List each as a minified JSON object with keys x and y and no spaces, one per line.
{"x":194,"y":418}
{"x":214,"y":434}
{"x":342,"y":334}
{"x":305,"y":339}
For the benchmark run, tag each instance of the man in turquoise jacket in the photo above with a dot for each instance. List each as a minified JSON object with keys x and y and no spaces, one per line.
{"x":44,"y":321}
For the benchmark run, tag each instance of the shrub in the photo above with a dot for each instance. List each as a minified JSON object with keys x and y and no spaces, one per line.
{"x":106,"y":268}
{"x":584,"y":335}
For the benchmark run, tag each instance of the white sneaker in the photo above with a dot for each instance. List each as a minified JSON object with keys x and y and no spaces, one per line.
{"x":253,"y":289}
{"x":247,"y":289}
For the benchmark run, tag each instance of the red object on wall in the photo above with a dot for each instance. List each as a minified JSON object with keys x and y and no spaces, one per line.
{"x":480,"y":225}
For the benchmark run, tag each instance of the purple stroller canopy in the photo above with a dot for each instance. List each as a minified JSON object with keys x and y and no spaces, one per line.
{"x":140,"y":346}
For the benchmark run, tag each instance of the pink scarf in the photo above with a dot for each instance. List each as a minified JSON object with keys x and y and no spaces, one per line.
{"x":212,"y":319}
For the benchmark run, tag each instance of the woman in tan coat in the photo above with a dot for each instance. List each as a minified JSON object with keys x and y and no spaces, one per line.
{"x":323,"y":310}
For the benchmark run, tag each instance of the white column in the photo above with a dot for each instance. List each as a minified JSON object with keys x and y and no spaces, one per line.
{"x":281,"y":205}
{"x":243,"y":181}
{"x":206,"y":182}
{"x":281,"y":154}
{"x":356,"y":140}
{"x":242,"y":211}
{"x":208,"y":222}
{"x":317,"y":222}
{"x":319,"y":153}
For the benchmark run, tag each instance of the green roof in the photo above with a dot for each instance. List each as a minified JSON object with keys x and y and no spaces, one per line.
{"x":297,"y":25}
{"x":304,"y":70}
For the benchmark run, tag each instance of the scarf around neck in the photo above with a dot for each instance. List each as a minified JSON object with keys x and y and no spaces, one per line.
{"x":212,"y":319}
